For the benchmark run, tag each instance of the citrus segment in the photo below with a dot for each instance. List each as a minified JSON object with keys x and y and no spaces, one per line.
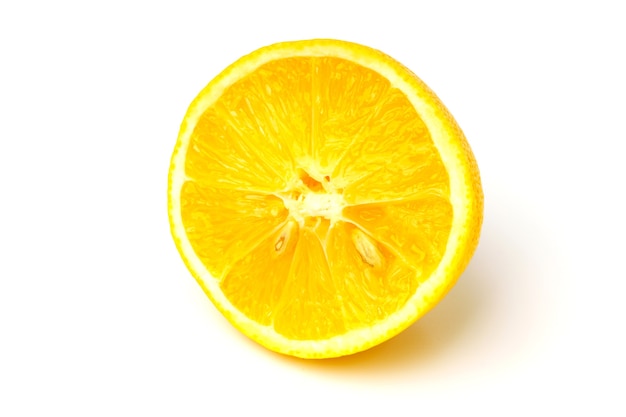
{"x":310,"y":306}
{"x":223,"y":225}
{"x":231,"y":157}
{"x":346,"y":97}
{"x":416,"y":171}
{"x":272,"y":260}
{"x":322,"y":196}
{"x":393,"y":130}
{"x":416,"y":230}
{"x":372,"y":282}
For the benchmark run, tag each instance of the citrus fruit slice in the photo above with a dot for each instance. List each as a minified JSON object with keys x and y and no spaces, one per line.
{"x":322,"y":196}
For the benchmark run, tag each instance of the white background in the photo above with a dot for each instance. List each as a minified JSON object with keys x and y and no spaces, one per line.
{"x":99,"y":317}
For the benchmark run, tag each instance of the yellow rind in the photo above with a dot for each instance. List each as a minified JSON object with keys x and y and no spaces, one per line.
{"x":465,"y":194}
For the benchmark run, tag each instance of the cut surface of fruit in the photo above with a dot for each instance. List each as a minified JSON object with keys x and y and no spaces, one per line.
{"x":323,"y":197}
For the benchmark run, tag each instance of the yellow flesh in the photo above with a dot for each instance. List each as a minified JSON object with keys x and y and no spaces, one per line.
{"x":316,"y":197}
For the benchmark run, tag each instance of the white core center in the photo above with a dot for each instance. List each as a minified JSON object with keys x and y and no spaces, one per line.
{"x":328,"y":205}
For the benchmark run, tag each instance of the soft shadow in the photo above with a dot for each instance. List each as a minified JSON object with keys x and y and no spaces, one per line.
{"x":421,"y":343}
{"x":444,"y":330}
{"x":498,"y":269}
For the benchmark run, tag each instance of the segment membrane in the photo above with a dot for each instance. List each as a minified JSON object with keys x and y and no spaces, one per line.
{"x":394,"y":137}
{"x":416,"y":171}
{"x":311,"y":305}
{"x":223,"y":154}
{"x":224,"y":225}
{"x":256,"y":283}
{"x":371,"y":281}
{"x":257,"y":130}
{"x":416,"y":230}
{"x":346,"y":98}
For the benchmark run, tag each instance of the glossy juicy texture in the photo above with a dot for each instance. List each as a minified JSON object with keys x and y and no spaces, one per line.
{"x":315,"y":199}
